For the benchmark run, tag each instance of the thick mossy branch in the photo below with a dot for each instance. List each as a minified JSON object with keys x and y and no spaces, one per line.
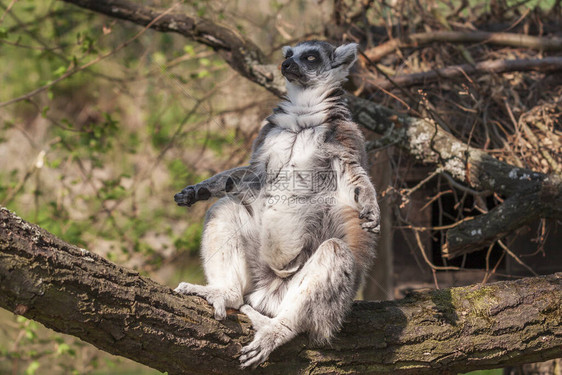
{"x":74,"y":291}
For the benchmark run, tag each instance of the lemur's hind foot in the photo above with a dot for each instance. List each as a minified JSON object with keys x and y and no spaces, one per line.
{"x":271,"y":333}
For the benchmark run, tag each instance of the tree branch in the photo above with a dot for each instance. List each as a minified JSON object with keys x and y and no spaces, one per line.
{"x":76,"y":292}
{"x":483,"y":230}
{"x":546,"y":64}
{"x":504,"y":39}
{"x":530,"y":194}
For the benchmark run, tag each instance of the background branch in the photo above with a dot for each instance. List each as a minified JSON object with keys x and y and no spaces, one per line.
{"x":546,"y":64}
{"x":503,"y":39}
{"x":534,"y":194}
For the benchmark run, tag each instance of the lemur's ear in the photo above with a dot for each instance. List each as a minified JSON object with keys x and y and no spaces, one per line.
{"x":344,"y":55}
{"x":287,"y":51}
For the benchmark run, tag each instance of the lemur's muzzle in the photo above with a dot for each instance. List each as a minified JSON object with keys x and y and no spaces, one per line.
{"x":290,"y":69}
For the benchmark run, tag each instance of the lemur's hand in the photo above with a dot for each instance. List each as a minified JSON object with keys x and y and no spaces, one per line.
{"x":191,"y":194}
{"x":372,"y":220}
{"x":370,"y":212}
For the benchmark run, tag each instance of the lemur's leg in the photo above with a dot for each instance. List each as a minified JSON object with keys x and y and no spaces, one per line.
{"x":233,"y":181}
{"x":317,"y":298}
{"x":224,"y":261}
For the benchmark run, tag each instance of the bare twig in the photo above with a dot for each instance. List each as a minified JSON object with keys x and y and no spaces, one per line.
{"x":506,"y":249}
{"x":410,"y":191}
{"x":8,"y":8}
{"x":489,"y":274}
{"x":426,"y":259}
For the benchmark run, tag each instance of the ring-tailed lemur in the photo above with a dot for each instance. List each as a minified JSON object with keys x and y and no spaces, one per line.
{"x":290,"y":239}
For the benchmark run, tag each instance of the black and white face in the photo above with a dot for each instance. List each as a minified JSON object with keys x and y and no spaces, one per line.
{"x":312,"y":63}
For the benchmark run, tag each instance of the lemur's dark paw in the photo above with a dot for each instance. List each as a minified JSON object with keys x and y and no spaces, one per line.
{"x":192,"y":194}
{"x":186,"y":197}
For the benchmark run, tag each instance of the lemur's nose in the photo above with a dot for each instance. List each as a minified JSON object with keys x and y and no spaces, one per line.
{"x":287,"y":63}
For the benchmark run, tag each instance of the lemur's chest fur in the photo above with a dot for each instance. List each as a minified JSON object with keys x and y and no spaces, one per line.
{"x":296,"y":142}
{"x":293,"y":154}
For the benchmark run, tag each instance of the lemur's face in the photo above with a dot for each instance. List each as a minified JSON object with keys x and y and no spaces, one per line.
{"x":313,"y":63}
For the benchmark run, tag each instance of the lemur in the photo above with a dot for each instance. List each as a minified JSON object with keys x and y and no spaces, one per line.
{"x":292,"y":259}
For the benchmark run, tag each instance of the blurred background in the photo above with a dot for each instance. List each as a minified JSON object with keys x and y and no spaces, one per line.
{"x":96,"y":156}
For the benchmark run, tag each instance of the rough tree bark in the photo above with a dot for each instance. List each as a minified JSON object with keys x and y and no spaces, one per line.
{"x":74,"y":291}
{"x":530,"y":195}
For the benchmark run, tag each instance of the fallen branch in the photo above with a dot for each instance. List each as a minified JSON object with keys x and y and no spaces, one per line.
{"x":74,"y":291}
{"x":504,"y":39}
{"x":547,"y":64}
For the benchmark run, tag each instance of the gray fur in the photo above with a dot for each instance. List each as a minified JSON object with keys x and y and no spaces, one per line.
{"x":292,"y":259}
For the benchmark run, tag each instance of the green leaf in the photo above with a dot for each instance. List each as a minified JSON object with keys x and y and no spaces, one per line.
{"x":159,"y":58}
{"x":202,"y":74}
{"x":189,"y":50}
{"x":60,"y":71}
{"x":3,"y":33}
{"x":55,"y":163}
{"x":30,"y":334}
{"x":64,"y":348}
{"x":33,"y":366}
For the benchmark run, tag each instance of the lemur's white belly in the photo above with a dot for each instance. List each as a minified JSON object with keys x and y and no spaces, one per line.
{"x":290,"y":195}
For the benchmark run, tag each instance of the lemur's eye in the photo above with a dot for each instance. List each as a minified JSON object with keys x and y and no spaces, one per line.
{"x":311,"y":58}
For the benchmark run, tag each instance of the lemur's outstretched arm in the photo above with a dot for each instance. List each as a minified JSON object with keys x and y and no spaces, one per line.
{"x":233,"y":181}
{"x":230,"y":181}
